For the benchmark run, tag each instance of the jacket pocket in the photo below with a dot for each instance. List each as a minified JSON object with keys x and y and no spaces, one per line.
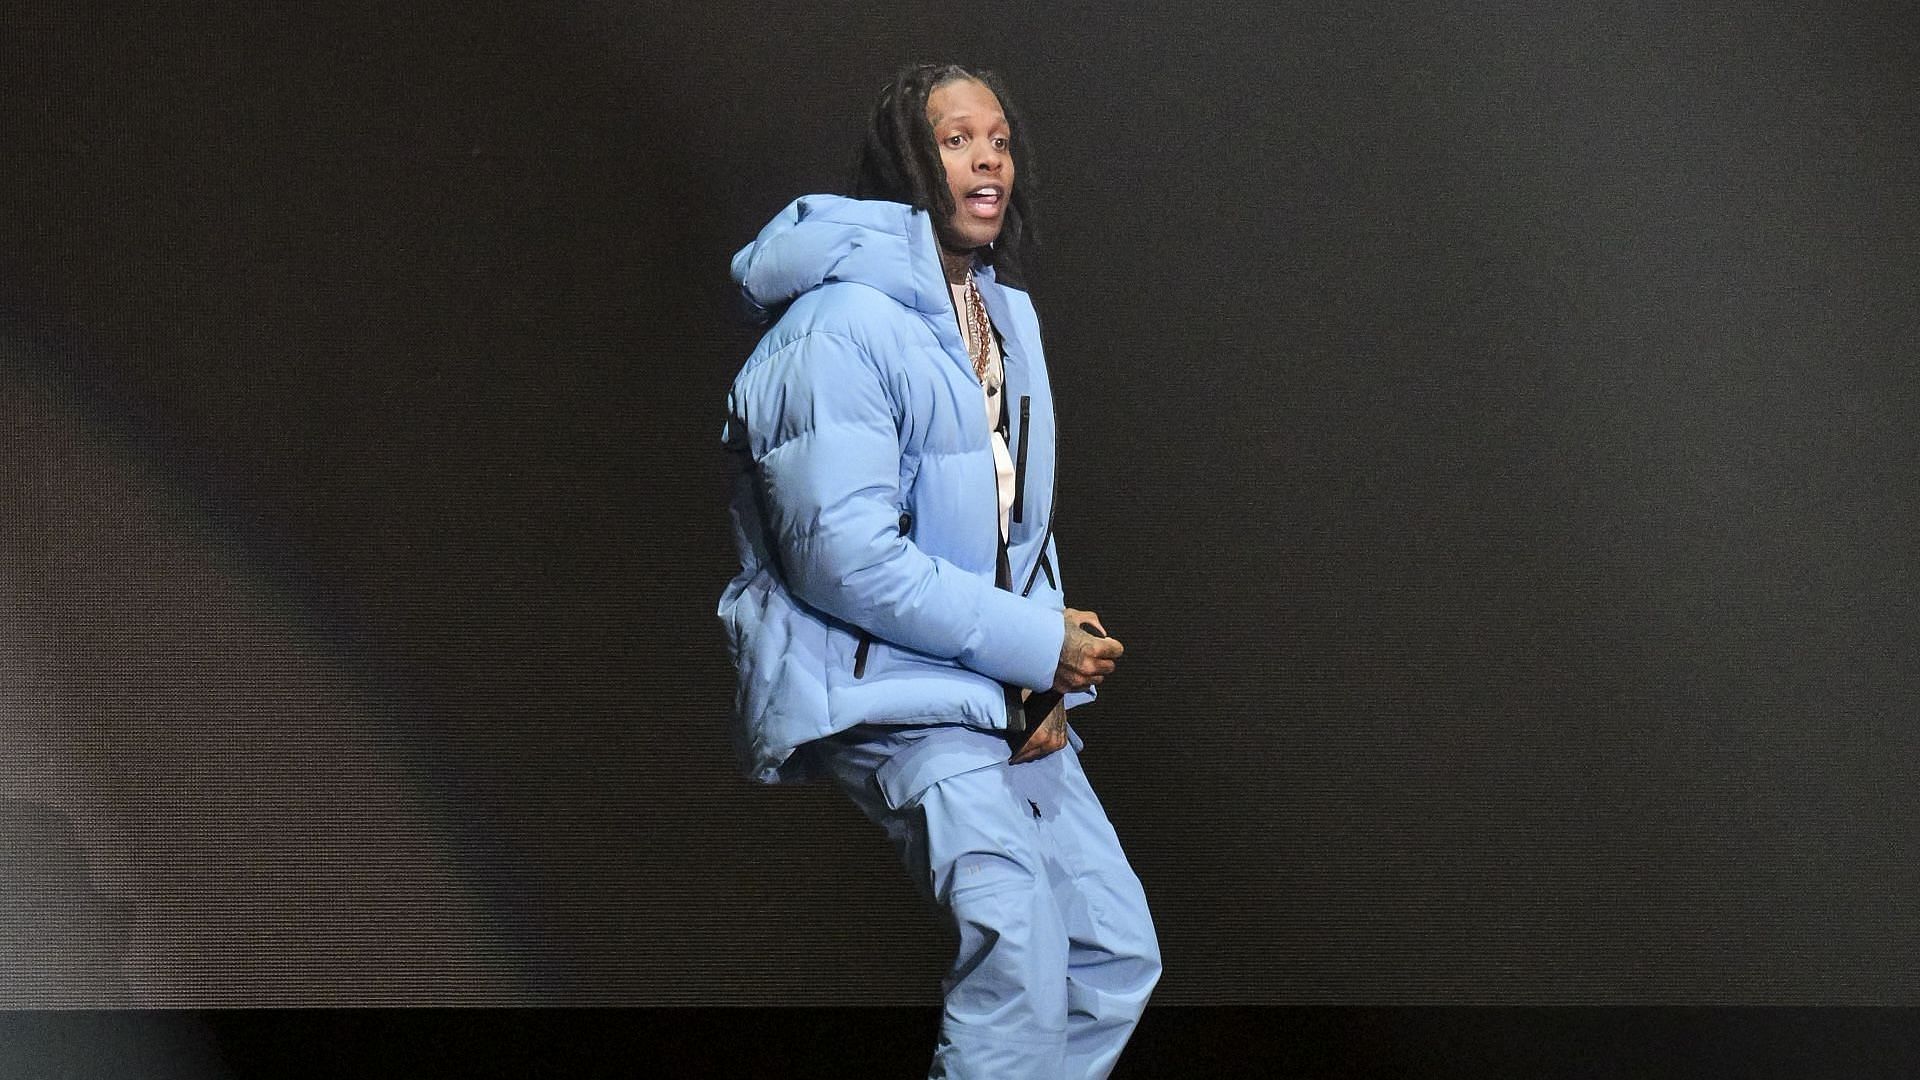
{"x":866,"y":639}
{"x":933,"y":754}
{"x":860,"y":655}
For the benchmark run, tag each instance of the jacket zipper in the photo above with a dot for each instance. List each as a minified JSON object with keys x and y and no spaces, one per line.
{"x":1018,"y":510}
{"x":1027,"y":589}
{"x":999,"y":541}
{"x":1052,"y":504}
{"x":1020,"y":460}
{"x":1002,"y":571}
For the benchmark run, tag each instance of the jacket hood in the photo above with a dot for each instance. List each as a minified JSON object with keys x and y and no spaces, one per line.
{"x":825,"y":238}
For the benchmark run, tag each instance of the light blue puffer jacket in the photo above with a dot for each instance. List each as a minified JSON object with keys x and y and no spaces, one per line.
{"x":865,"y":504}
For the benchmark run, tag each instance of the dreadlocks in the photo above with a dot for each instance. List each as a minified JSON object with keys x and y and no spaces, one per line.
{"x":900,"y":163}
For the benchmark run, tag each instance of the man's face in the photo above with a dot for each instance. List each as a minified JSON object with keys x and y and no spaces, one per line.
{"x":976,"y":149}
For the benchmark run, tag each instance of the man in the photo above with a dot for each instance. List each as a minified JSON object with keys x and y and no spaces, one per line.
{"x":898,"y":622}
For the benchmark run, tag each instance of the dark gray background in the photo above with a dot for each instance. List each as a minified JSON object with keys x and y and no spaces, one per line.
{"x":1490,"y":429}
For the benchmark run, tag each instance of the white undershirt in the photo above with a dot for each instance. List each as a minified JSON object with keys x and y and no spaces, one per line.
{"x":990,"y":392}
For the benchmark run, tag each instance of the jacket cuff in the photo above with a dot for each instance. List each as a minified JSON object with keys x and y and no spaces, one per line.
{"x":1016,"y":640}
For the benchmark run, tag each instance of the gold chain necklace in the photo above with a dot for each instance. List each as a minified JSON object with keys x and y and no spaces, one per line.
{"x":979,"y":329}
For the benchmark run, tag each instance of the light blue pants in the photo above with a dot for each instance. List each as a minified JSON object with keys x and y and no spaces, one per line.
{"x":1057,"y":952}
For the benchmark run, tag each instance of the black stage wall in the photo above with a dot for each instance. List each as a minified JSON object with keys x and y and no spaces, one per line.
{"x":1491,"y":429}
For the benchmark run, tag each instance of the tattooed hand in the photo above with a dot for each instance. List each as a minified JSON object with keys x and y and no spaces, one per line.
{"x":1051,"y":735}
{"x":1085,"y":658}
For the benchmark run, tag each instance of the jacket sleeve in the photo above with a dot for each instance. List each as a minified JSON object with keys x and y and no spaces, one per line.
{"x":821,"y":424}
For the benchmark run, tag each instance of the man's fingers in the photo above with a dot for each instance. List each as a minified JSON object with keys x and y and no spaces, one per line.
{"x":1083,"y":672}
